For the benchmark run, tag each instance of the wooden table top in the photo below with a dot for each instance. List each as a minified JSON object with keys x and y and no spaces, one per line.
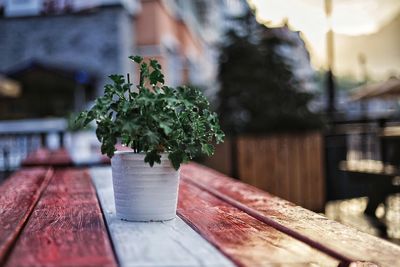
{"x":372,"y":167}
{"x":66,"y":217}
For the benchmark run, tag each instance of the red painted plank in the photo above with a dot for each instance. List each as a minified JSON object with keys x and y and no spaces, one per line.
{"x":346,"y":241}
{"x":46,"y":157}
{"x":61,"y":157}
{"x":244,"y":239}
{"x":18,"y":196}
{"x":66,"y":227}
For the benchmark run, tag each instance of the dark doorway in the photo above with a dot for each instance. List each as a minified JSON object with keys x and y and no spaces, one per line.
{"x":47,"y":91}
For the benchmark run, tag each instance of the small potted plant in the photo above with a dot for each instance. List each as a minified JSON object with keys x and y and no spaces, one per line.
{"x":163,"y":125}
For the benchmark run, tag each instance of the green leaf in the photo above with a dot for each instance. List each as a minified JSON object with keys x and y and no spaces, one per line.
{"x":208,"y":149}
{"x":130,"y":127}
{"x":156,"y":77}
{"x":176,"y":159}
{"x":167,"y":130}
{"x":152,"y":157}
{"x":117,"y":79}
{"x":154,"y":64}
{"x":152,"y":137}
{"x":137,"y":59}
{"x":80,"y":120}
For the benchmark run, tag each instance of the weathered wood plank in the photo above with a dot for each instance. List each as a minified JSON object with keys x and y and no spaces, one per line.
{"x":171,"y":243}
{"x":18,"y":196}
{"x":318,"y":170}
{"x":346,"y":241}
{"x":246,"y":240}
{"x":46,"y":157}
{"x":66,"y":227}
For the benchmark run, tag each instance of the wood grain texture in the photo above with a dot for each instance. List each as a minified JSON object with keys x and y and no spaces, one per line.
{"x":287,"y":165}
{"x":171,"y":243}
{"x":18,"y":196}
{"x":345,"y":240}
{"x":66,"y":227}
{"x":46,"y":157}
{"x":246,"y":240}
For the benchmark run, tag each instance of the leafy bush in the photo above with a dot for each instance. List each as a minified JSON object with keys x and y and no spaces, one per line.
{"x":154,"y":119}
{"x":260,"y":91}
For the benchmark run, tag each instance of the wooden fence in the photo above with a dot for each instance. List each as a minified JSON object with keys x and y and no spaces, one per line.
{"x":287,"y":165}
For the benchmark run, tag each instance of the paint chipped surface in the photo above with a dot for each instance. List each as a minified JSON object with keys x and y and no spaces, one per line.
{"x":244,"y":239}
{"x":18,"y":195}
{"x":66,"y":227}
{"x":343,"y":239}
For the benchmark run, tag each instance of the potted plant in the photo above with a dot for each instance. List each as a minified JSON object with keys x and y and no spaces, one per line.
{"x":163,"y":125}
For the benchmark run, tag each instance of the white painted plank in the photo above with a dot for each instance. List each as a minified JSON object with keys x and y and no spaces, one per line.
{"x":171,"y":243}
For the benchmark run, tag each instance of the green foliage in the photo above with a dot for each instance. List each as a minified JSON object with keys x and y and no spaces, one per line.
{"x":259,"y":91}
{"x":153,"y":119}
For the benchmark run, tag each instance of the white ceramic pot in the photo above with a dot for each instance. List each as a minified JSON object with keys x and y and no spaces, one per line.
{"x":141,"y":192}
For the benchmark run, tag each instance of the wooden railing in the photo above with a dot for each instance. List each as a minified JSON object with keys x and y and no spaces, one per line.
{"x":19,"y":138}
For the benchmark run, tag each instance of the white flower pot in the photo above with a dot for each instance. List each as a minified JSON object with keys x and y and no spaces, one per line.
{"x":141,"y":192}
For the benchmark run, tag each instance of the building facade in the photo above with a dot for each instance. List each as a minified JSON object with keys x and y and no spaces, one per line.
{"x":71,"y":46}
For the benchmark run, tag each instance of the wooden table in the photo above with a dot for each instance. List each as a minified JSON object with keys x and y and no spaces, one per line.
{"x":66,"y":217}
{"x":379,"y":181}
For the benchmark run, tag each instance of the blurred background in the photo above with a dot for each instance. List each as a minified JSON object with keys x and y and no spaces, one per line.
{"x":307,"y":90}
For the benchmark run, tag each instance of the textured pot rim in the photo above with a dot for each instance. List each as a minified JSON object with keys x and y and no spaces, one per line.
{"x":119,"y":152}
{"x":139,"y":155}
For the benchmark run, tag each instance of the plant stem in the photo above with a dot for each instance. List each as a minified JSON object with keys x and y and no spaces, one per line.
{"x":129,"y":81}
{"x":141,"y":80}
